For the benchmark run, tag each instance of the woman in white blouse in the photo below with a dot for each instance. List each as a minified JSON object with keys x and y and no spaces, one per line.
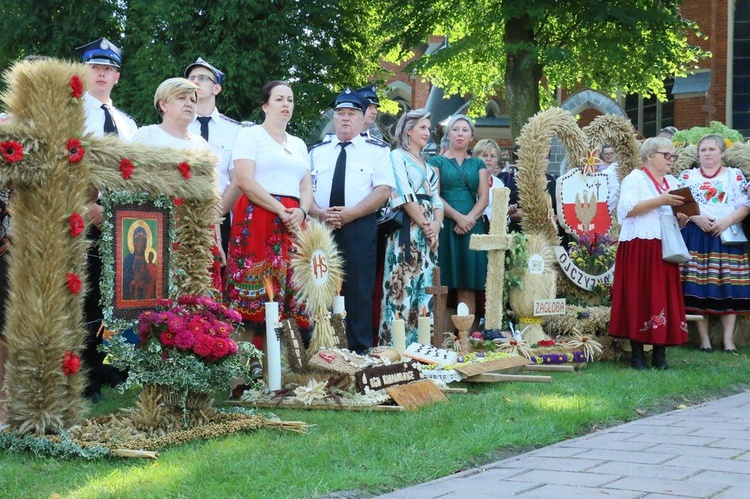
{"x":647,"y":304}
{"x":276,"y":194}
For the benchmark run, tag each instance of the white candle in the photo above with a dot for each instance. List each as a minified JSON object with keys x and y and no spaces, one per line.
{"x":339,"y":306}
{"x":399,"y":335}
{"x":273,"y":346}
{"x":462,"y":309}
{"x":423,"y":330}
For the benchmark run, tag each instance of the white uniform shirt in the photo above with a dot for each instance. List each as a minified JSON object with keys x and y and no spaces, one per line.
{"x":92,"y":106}
{"x":222,"y":134}
{"x":367,"y":166}
{"x":278,"y":169}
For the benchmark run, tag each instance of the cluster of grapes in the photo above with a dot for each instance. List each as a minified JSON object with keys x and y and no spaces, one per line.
{"x":492,"y":334}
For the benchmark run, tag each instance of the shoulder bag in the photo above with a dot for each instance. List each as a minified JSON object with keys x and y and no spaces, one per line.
{"x":673,"y":248}
{"x":734,"y":234}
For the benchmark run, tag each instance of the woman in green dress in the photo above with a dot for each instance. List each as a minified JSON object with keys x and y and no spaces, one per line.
{"x":464,"y":188}
{"x":411,"y":253}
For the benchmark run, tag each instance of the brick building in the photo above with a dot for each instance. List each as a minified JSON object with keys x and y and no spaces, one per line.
{"x":718,"y":91}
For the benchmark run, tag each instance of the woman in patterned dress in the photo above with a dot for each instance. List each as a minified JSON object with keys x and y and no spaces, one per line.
{"x":464,"y":189}
{"x":274,"y":178}
{"x":411,"y":253}
{"x":717,"y":280}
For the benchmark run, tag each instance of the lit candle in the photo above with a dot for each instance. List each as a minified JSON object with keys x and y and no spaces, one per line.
{"x":273,"y":346}
{"x":399,"y":334}
{"x":339,"y":306}
{"x":423,"y":328}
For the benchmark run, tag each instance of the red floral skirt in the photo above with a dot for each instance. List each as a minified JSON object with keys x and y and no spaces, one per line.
{"x":260,"y":248}
{"x":647,"y":304}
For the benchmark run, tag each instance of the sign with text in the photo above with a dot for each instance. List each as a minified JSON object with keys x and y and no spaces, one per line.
{"x":381,"y":377}
{"x":549,"y":307}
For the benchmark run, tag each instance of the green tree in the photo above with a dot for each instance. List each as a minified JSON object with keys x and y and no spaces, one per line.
{"x":54,"y":27}
{"x":316,"y":45}
{"x":319,"y":46}
{"x":517,"y":47}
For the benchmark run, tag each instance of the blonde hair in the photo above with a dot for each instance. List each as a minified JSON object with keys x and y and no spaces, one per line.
{"x":172,"y":88}
{"x":650,"y":146}
{"x":485,"y":145}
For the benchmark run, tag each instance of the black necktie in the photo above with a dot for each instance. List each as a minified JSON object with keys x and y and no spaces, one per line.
{"x":204,"y":126}
{"x":109,"y":123}
{"x":339,"y":178}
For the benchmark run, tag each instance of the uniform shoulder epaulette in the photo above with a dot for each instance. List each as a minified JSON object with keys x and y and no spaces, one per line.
{"x":327,"y":140}
{"x":247,"y":124}
{"x":230,"y":120}
{"x":377,"y":142}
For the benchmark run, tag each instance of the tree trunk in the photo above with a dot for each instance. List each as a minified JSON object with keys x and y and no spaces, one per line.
{"x":522,"y":72}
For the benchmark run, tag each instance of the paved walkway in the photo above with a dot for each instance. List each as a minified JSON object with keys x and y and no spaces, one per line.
{"x":700,"y":451}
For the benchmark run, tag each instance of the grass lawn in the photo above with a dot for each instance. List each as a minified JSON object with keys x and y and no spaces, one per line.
{"x":367,"y":453}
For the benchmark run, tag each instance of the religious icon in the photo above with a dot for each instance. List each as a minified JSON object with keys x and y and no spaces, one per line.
{"x":140,"y":246}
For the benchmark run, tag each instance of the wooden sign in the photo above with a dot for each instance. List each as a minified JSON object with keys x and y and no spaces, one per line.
{"x":549,"y":307}
{"x":381,"y":377}
{"x":417,"y":394}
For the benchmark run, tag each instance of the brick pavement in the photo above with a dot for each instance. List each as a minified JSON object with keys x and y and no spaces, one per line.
{"x":700,"y":451}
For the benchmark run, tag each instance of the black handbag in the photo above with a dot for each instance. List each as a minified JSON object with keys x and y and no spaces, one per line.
{"x":390,"y":221}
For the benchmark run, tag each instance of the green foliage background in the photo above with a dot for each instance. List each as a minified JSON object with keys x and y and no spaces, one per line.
{"x":319,"y":46}
{"x":520,"y":50}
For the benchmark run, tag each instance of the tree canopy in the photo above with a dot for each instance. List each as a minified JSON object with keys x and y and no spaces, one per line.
{"x":516,"y":47}
{"x":317,"y":45}
{"x":509,"y":47}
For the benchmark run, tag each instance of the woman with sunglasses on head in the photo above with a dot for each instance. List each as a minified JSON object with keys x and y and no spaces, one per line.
{"x":717,"y":280}
{"x":411,"y":253}
{"x":647,"y":306}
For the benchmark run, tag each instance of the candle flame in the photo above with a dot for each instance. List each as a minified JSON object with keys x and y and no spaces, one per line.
{"x":398,"y":315}
{"x":269,"y":286}
{"x":424,"y":311}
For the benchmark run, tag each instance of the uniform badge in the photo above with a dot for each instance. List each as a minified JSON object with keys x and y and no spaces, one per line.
{"x":104,"y":45}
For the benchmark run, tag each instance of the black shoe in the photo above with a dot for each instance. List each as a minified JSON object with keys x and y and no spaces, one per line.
{"x":706,"y":349}
{"x":659,"y":358}
{"x":638,"y":358}
{"x":731,"y":351}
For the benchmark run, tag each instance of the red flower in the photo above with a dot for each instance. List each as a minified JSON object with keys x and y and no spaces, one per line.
{"x":73,"y":282}
{"x":76,"y":224}
{"x":71,"y":363}
{"x":178,"y":201}
{"x":76,"y":87}
{"x":126,"y":167}
{"x":184,"y":169}
{"x":12,"y":151}
{"x":76,"y":150}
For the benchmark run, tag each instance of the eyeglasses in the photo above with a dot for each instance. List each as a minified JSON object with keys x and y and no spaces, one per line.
{"x":668,"y":155}
{"x":201,"y":79}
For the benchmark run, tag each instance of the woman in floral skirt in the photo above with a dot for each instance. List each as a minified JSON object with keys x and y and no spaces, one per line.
{"x":411,"y":253}
{"x":274,"y":178}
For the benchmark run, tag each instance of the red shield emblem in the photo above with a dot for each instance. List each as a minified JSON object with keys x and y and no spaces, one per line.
{"x":582,"y":202}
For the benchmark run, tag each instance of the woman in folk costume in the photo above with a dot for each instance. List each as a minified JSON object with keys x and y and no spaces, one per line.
{"x":647,"y":304}
{"x":717,"y":279}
